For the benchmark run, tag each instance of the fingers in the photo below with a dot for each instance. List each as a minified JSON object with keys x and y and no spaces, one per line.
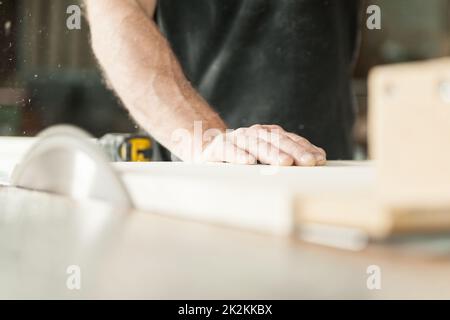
{"x":223,"y":150}
{"x":263,"y":151}
{"x":300,"y":152}
{"x":319,"y":154}
{"x":305,"y":149}
{"x":267,"y":144}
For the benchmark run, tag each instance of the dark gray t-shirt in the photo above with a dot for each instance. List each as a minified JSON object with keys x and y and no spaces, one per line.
{"x":285,"y":62}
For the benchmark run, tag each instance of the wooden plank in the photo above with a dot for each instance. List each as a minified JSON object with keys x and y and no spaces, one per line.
{"x":342,"y":194}
{"x":410,"y":133}
{"x":259,"y":198}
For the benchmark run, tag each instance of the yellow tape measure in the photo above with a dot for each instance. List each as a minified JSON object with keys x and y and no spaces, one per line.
{"x":136,"y":149}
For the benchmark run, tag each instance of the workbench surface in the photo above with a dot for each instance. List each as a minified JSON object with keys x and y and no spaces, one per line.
{"x":143,"y":255}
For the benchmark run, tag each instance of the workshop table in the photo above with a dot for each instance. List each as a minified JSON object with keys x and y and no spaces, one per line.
{"x":147,"y":256}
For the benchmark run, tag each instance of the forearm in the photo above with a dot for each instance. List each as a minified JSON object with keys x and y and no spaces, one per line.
{"x":142,"y":69}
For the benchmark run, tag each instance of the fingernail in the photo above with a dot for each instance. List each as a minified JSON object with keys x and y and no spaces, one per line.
{"x":308,"y":159}
{"x":320,"y":157}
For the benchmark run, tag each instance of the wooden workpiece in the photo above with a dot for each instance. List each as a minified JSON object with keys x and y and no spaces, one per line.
{"x":259,"y":198}
{"x":410,"y":134}
{"x":276,"y":200}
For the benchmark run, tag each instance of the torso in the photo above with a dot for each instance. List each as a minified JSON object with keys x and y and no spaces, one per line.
{"x":285,"y":62}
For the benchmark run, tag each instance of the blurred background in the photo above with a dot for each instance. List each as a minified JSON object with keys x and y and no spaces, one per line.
{"x":48,"y":74}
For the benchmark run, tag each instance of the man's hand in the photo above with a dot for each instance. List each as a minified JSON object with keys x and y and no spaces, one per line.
{"x":267,"y":144}
{"x":144,"y":72}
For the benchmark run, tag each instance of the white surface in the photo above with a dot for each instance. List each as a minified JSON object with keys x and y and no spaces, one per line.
{"x":12,"y":150}
{"x":135,"y":255}
{"x":259,"y":198}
